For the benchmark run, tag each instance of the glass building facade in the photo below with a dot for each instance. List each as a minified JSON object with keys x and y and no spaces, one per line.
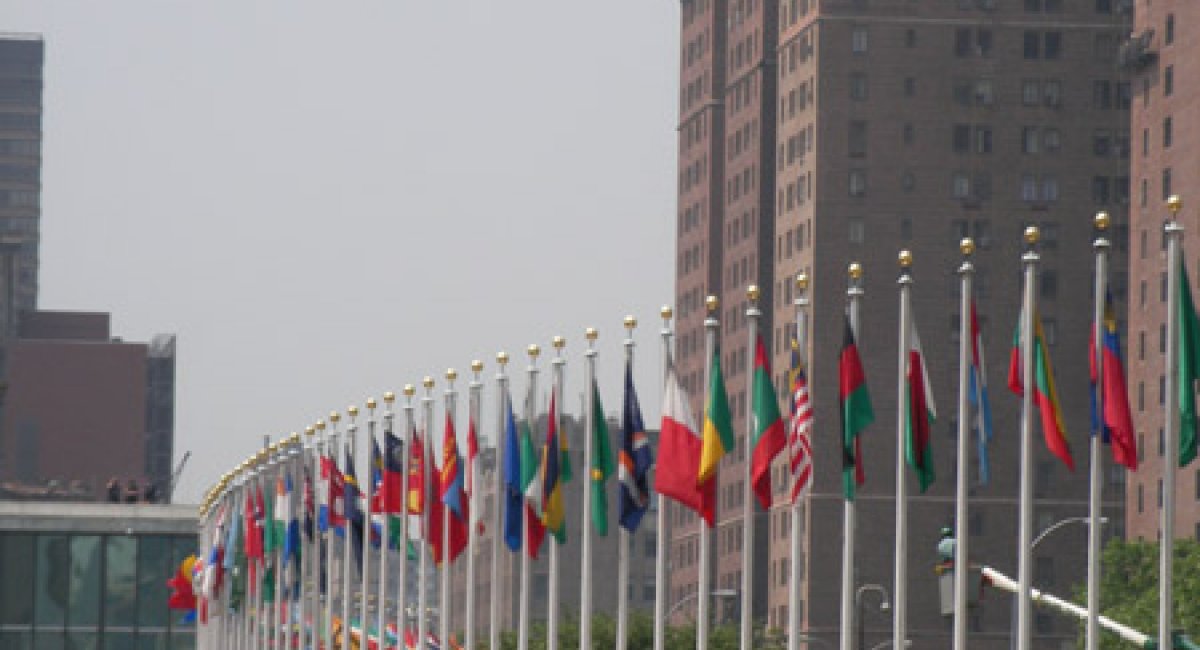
{"x":75,"y":586}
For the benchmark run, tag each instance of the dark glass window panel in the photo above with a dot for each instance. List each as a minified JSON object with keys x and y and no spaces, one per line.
{"x":152,"y":640}
{"x":183,"y":640}
{"x":153,"y":570}
{"x":120,"y":587}
{"x":114,"y":639}
{"x":84,"y":609}
{"x":52,"y":580}
{"x":16,"y":589}
{"x":83,"y":639}
{"x":48,"y":639}
{"x":16,"y":639}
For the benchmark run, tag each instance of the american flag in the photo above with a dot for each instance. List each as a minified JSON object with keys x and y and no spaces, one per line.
{"x":799,"y":431}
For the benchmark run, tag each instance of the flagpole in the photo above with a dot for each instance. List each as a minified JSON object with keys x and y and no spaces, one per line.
{"x":559,"y":377}
{"x":348,"y":540}
{"x":585,"y":535}
{"x":1025,"y":536}
{"x":748,"y":498}
{"x":444,"y":570}
{"x":308,"y":607}
{"x":498,"y":492}
{"x":410,"y":426}
{"x":367,"y":479}
{"x":966,"y":272}
{"x":797,"y":532}
{"x":900,"y":585}
{"x":1174,"y":232}
{"x":276,"y":615}
{"x":326,"y":445}
{"x":426,"y":469}
{"x":704,"y":587}
{"x":854,"y":294}
{"x":526,"y":561}
{"x":389,"y":427}
{"x":1095,"y":466}
{"x":252,"y":590}
{"x":662,"y":521}
{"x":623,"y":537}
{"x":291,"y":451}
{"x":473,"y":408}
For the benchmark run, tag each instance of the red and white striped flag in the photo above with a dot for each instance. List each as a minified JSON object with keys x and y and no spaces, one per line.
{"x":799,"y":446}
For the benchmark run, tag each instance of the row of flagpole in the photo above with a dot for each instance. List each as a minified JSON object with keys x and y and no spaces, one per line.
{"x":533,"y":491}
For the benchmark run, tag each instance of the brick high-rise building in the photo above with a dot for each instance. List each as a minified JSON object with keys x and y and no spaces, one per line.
{"x":1166,"y":131}
{"x":813,"y":133}
{"x":21,"y":58}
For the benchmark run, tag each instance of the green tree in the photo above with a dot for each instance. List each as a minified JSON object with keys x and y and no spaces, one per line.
{"x":1129,"y":588}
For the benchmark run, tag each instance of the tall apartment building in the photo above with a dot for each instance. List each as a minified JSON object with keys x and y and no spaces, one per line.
{"x":814,"y":133}
{"x":21,"y":58}
{"x":1166,"y":131}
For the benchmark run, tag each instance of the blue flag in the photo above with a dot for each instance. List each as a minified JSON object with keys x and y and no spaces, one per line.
{"x":514,"y":497}
{"x":636,"y":459}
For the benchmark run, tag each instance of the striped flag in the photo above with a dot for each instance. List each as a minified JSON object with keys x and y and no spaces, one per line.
{"x":800,"y":456}
{"x":635,"y":461}
{"x":978,"y":396}
{"x":1045,"y":394}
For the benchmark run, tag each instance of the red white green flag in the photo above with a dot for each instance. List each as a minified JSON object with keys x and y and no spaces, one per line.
{"x":920,"y":412}
{"x":769,"y":436}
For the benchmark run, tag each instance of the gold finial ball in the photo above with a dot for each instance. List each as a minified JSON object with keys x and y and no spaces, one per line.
{"x":855,"y":271}
{"x":629,"y":322}
{"x":371,"y":403}
{"x":309,"y":431}
{"x":559,"y":343}
{"x":1032,"y":235}
{"x":410,"y":390}
{"x":502,"y":358}
{"x":476,"y":366}
{"x":427,"y":382}
{"x":352,"y":411}
{"x":597,"y":475}
{"x":591,"y":334}
{"x":273,"y":447}
{"x":712,"y":304}
{"x":320,"y":425}
{"x":1101,"y":220}
{"x":261,"y":456}
{"x":905,"y":259}
{"x":334,"y":417}
{"x":1174,"y":204}
{"x":389,"y":397}
{"x":451,"y":374}
{"x":666,"y":312}
{"x":294,"y":438}
{"x":752,"y":292}
{"x":534,"y":350}
{"x":966,"y":246}
{"x":802,"y":281}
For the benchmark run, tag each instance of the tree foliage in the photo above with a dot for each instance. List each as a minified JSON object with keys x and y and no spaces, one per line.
{"x":641,"y":635}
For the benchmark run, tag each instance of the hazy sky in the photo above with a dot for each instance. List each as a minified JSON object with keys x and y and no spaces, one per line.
{"x":325,"y":201}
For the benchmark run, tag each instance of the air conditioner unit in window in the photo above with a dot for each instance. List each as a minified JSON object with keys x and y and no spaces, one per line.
{"x":1135,"y":52}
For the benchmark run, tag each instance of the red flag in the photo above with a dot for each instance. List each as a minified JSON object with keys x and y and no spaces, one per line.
{"x":1114,"y":417}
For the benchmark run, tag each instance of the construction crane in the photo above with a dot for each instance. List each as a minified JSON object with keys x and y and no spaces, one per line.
{"x":175,"y":475}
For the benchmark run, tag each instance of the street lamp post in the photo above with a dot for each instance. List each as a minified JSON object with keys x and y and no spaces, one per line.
{"x":715,"y":593}
{"x":1059,"y":524}
{"x":884,"y":605}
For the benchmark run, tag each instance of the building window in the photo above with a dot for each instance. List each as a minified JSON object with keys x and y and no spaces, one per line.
{"x":984,"y":92}
{"x":858,"y":182}
{"x":1101,"y":94}
{"x":1100,"y":190}
{"x":1170,"y":30}
{"x":1029,"y":139}
{"x":910,"y":86}
{"x":1167,"y":132}
{"x":858,"y":138}
{"x":1051,"y":140}
{"x":1104,"y":6}
{"x":1168,"y":80}
{"x":983,"y":139}
{"x":960,"y":185}
{"x":1053,"y":45}
{"x":858,"y":40}
{"x":1050,"y":188}
{"x":961,"y":139}
{"x":1166,"y":183}
{"x":1101,"y":142}
{"x":858,"y":230}
{"x":1052,"y":92}
{"x":1032,"y":45}
{"x":1028,"y":187}
{"x":858,"y":86}
{"x":1031,"y":92}
{"x":962,"y":42}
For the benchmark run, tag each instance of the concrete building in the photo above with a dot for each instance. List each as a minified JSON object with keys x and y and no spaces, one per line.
{"x":92,"y":575}
{"x":814,"y":133}
{"x":21,"y":57}
{"x":1166,"y":130}
{"x":82,"y":407}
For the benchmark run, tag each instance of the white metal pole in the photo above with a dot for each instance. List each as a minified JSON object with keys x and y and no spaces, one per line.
{"x":328,"y":444}
{"x":427,"y":466}
{"x":854,"y":294}
{"x":473,"y":408}
{"x":381,"y":593}
{"x":526,"y":560}
{"x":585,"y":533}
{"x":797,"y":508}
{"x":900,"y":586}
{"x":1174,"y":232}
{"x":403,"y":603}
{"x":348,"y":561}
{"x":661,"y":589}
{"x":367,"y":487}
{"x":1025,"y":533}
{"x":498,"y":499}
{"x":559,"y":377}
{"x":623,"y":536}
{"x":746,"y":630}
{"x":1096,"y":464}
{"x":450,"y":403}
{"x":966,"y":272}
{"x":704,"y":586}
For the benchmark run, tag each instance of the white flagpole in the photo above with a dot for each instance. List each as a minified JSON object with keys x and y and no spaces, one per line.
{"x":854,"y":294}
{"x":276,"y":616}
{"x":704,"y":586}
{"x":661,"y":591}
{"x":1096,"y":464}
{"x":797,"y":549}
{"x":559,"y":377}
{"x":291,"y":452}
{"x":253,"y":610}
{"x":326,"y":445}
{"x":381,"y":598}
{"x":498,"y":500}
{"x":900,"y":585}
{"x":623,"y":536}
{"x":526,"y":561}
{"x":1025,"y":536}
{"x":473,"y":408}
{"x":966,"y":272}
{"x":585,"y":534}
{"x":307,"y":554}
{"x":427,"y":466}
{"x":367,"y":481}
{"x":348,"y":540}
{"x":748,"y":498}
{"x":1174,"y":232}
{"x":410,"y":426}
{"x":444,"y":571}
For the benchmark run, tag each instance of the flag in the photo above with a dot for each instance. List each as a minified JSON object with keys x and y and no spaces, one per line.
{"x":231,"y":540}
{"x":416,"y":482}
{"x":354,"y":513}
{"x":769,"y":437}
{"x":283,"y":506}
{"x":1045,"y":395}
{"x":253,"y":544}
{"x":389,"y":497}
{"x":291,"y":539}
{"x":636,"y":459}
{"x":919,"y":411}
{"x":800,"y":456}
{"x":553,"y":512}
{"x":856,"y":412}
{"x":718,"y":428}
{"x":452,"y":495}
{"x":1189,"y":368}
{"x":978,"y":396}
{"x":330,"y":495}
{"x":603,"y":464}
{"x":1112,"y":418}
{"x":535,"y":531}
{"x":680,"y":442}
{"x":309,"y":505}
{"x":472,"y":454}
{"x":513,"y":492}
{"x":271,"y":527}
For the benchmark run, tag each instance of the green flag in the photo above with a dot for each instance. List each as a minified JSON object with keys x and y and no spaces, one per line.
{"x":271,"y":538}
{"x":603,"y":465}
{"x":1189,"y":367}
